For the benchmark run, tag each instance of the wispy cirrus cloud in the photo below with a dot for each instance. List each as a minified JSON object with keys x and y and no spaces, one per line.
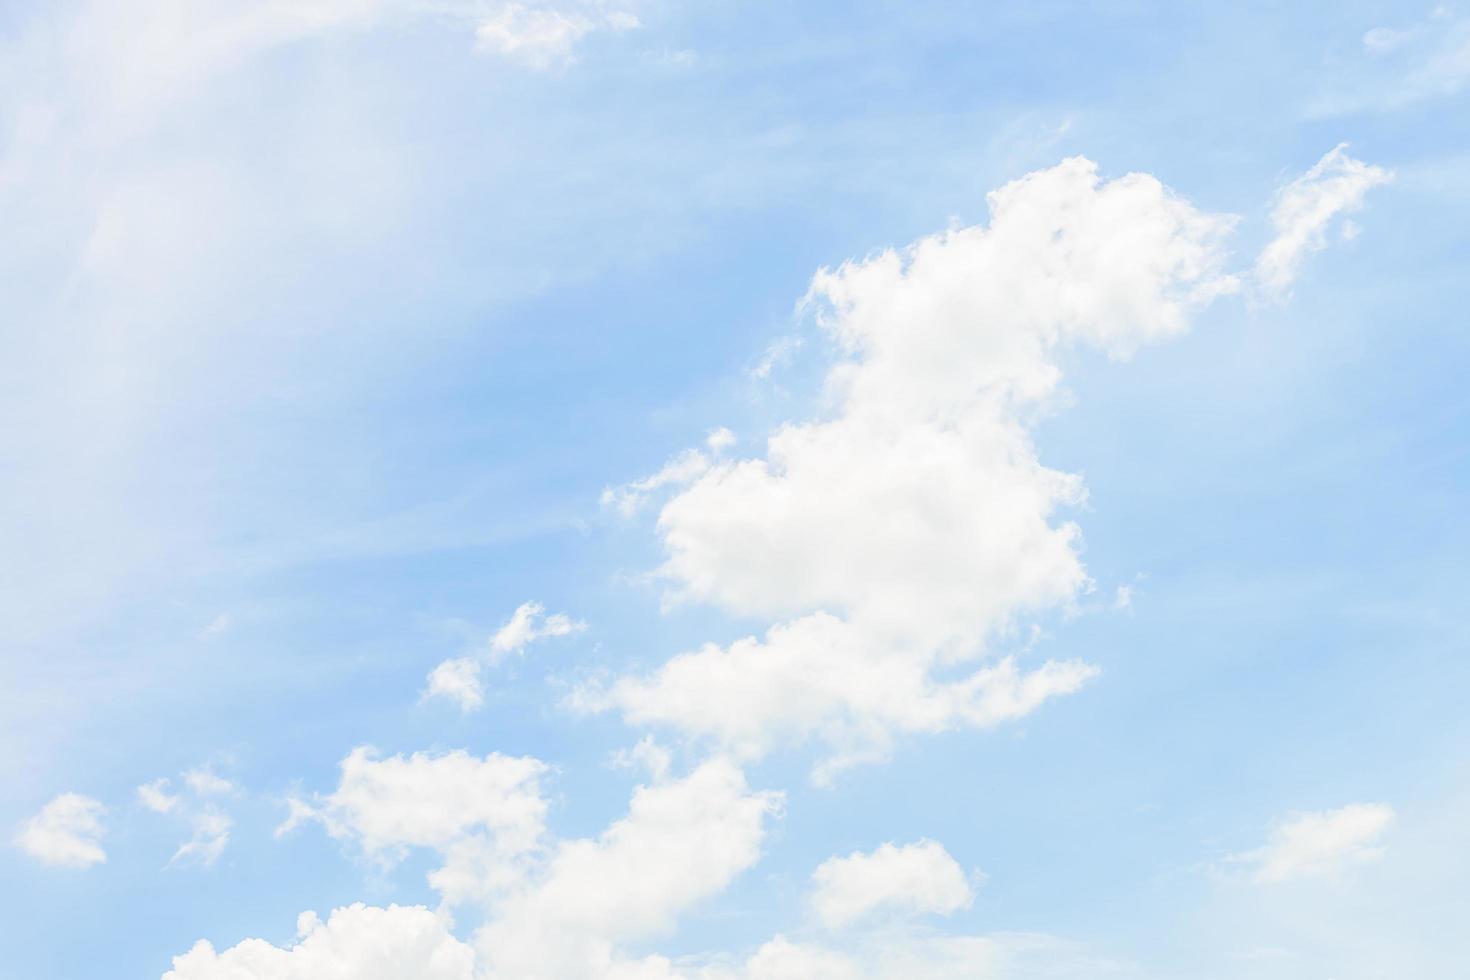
{"x":1311,"y":844}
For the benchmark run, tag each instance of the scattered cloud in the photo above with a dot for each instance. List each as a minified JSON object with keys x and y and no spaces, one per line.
{"x":1304,"y":211}
{"x":528,"y":624}
{"x":67,"y":832}
{"x":1309,"y":844}
{"x":219,"y":625}
{"x":461,"y":680}
{"x":198,"y":807}
{"x":630,"y":498}
{"x":912,"y":878}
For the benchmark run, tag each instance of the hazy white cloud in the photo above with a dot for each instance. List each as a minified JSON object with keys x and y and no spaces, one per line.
{"x":778,"y":354}
{"x":682,"y":470}
{"x":209,"y":825}
{"x":720,"y":439}
{"x":218,"y":626}
{"x":528,"y":624}
{"x":1304,"y":211}
{"x":211,"y":835}
{"x":912,"y":878}
{"x":357,"y":942}
{"x":483,"y":816}
{"x":1306,"y":844}
{"x":67,"y":832}
{"x":1404,"y":65}
{"x":913,"y":524}
{"x":134,"y":55}
{"x":155,"y":796}
{"x":545,"y":36}
{"x":460,"y":679}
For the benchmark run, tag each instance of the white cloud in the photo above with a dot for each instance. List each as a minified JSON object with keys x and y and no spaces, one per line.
{"x":204,"y":781}
{"x":554,"y":909}
{"x":219,"y":625}
{"x":720,"y":439}
{"x":1404,"y":66}
{"x":211,"y":834}
{"x":209,"y":825}
{"x":682,"y":470}
{"x":460,"y":679}
{"x":913,"y":524}
{"x":913,"y":878}
{"x":357,"y":942}
{"x":823,"y":678}
{"x":776,"y":355}
{"x":67,"y":832}
{"x":484,"y":816}
{"x":528,"y":624}
{"x":156,"y":797}
{"x":135,"y":55}
{"x":1304,"y":210}
{"x":913,"y":955}
{"x":541,"y":36}
{"x":1307,"y":844}
{"x":681,"y":842}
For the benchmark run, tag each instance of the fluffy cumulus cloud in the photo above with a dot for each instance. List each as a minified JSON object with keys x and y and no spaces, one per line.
{"x":1309,"y":844}
{"x":359,"y":942}
{"x":461,"y":679}
{"x":682,"y":841}
{"x":559,"y":910}
{"x":67,"y":832}
{"x":1304,"y":212}
{"x":913,"y":878}
{"x":914,"y":525}
{"x":484,"y":816}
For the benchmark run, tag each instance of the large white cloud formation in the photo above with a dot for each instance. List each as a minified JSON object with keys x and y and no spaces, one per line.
{"x":890,"y":543}
{"x":913,"y":524}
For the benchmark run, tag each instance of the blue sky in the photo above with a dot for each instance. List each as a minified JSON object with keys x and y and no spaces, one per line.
{"x":1104,"y":564}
